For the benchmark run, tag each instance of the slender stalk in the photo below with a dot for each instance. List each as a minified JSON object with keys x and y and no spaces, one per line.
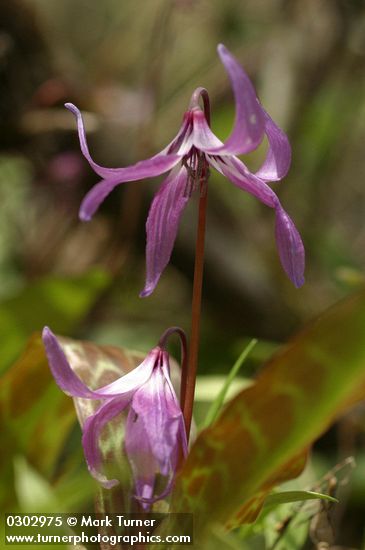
{"x":188,"y":376}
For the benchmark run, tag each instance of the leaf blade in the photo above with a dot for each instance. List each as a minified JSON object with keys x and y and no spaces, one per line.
{"x":301,"y":391}
{"x":285,"y":497}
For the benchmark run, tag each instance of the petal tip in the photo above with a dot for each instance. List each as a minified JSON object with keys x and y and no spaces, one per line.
{"x":71,"y":107}
{"x":48,"y":337}
{"x":147,"y":291}
{"x":222,"y":51}
{"x":84,"y":216}
{"x":290,"y":247}
{"x":299,"y":281}
{"x":109,"y":484}
{"x":101,"y":478}
{"x":46,"y":332}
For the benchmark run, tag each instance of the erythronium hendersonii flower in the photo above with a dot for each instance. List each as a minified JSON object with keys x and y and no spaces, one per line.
{"x":155,"y":437}
{"x":185,"y":157}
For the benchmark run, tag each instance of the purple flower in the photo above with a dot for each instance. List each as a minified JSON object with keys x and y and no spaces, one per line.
{"x":188,"y":156}
{"x":154,"y":433}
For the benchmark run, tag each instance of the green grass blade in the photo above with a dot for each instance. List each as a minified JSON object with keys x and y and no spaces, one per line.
{"x":285,"y":497}
{"x":218,"y":402}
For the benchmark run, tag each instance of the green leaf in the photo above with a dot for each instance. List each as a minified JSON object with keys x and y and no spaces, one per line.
{"x":262,"y":436}
{"x":34,"y":493}
{"x":219,"y":401}
{"x":284,"y":497}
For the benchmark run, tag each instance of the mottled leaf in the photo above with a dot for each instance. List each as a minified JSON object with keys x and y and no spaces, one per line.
{"x":249,"y":510}
{"x":261,"y":436}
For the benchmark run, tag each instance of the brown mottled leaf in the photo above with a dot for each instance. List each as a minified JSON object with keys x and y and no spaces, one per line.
{"x":260,"y":438}
{"x":249,"y":511}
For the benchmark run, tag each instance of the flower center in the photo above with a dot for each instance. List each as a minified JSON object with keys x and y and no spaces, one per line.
{"x":198,"y":171}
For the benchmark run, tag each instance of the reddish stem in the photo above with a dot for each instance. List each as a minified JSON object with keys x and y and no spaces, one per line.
{"x":188,"y":377}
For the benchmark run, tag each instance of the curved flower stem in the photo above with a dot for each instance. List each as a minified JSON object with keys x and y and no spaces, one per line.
{"x":184,"y":366}
{"x":188,"y":377}
{"x":194,"y":101}
{"x":183,"y":341}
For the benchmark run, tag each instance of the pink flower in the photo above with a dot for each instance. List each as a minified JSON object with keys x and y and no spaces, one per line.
{"x":154,"y":433}
{"x":187,"y":158}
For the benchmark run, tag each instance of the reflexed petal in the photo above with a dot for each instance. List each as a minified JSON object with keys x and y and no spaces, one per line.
{"x":154,"y":166}
{"x":144,"y":169}
{"x":289,"y":243}
{"x":65,"y":377}
{"x":248,"y":127}
{"x":158,"y":164}
{"x":71,"y":384}
{"x":133,"y":379}
{"x":91,"y":434}
{"x":278,"y":158}
{"x":290,"y":247}
{"x":240,"y":176}
{"x":162,"y":225}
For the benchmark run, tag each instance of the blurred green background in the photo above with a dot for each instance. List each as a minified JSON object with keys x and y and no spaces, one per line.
{"x":131,"y":67}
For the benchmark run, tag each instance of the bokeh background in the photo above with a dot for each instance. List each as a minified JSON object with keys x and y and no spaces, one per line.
{"x":131,"y":67}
